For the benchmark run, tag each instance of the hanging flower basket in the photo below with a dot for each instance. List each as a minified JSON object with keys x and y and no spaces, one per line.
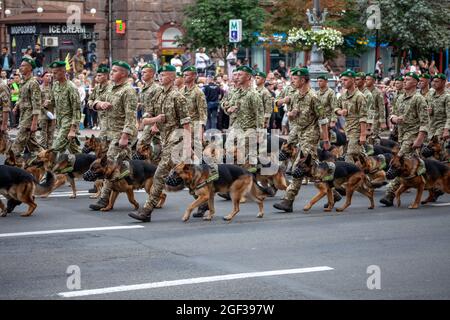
{"x":324,"y":39}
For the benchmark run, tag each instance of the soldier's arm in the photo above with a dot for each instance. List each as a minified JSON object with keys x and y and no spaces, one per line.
{"x":268,"y":100}
{"x":337,"y":107}
{"x":75,"y":105}
{"x":381,"y":108}
{"x":183,"y":112}
{"x":6,"y":107}
{"x":259,"y":111}
{"x":36,"y":98}
{"x":361,"y":107}
{"x":321,"y":114}
{"x":421,"y":105}
{"x":370,"y":107}
{"x":202,"y":107}
{"x":130,"y":101}
{"x":92,"y":98}
{"x":447,"y":112}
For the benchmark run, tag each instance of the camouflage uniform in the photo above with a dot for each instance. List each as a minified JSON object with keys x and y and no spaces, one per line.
{"x":66,"y":100}
{"x":377,"y":112}
{"x":98,"y":94}
{"x":225,"y":104}
{"x":311,"y":114}
{"x":413,"y":109}
{"x":439,"y":116}
{"x":5,"y":102}
{"x":197,"y":112}
{"x":121,"y":119}
{"x":356,"y":106}
{"x":47,"y":125}
{"x":148,"y":93}
{"x":267,"y":101}
{"x":327,"y":100}
{"x":289,"y":91}
{"x":171,"y":103}
{"x":30,"y":104}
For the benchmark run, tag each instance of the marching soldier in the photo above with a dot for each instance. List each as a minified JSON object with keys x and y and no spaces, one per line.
{"x":101,"y":87}
{"x":5,"y":107}
{"x":47,"y":120}
{"x":308,"y":115}
{"x":120,"y":103}
{"x":285,"y":99}
{"x":352,"y":105}
{"x":170,"y":113}
{"x":377,"y":112}
{"x":266,"y":97}
{"x":410,"y":114}
{"x":30,"y":104}
{"x":225,"y":104}
{"x":424,"y":85}
{"x":327,"y":98}
{"x":66,"y":101}
{"x":398,"y":84}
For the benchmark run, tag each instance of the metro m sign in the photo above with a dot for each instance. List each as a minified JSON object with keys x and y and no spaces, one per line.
{"x":235,"y":30}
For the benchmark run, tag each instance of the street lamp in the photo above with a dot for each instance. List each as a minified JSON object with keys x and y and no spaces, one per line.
{"x":7,"y":12}
{"x":40,"y":10}
{"x":93,"y":11}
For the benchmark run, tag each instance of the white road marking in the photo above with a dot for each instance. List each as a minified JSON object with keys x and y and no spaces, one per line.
{"x":447,"y":204}
{"x":36,"y":233}
{"x":164,"y":284}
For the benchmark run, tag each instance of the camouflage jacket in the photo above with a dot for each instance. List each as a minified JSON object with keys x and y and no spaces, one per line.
{"x":196,"y":104}
{"x":267,"y":100}
{"x":440,"y":114}
{"x":148,"y":93}
{"x":30,"y":96}
{"x":413,"y":109}
{"x":250,"y":110}
{"x":46,"y":92}
{"x":171,"y":103}
{"x":376,"y":111}
{"x":310,"y":111}
{"x":122,"y":115}
{"x":66,"y":101}
{"x":98,"y":93}
{"x":356,"y":107}
{"x":327,"y":99}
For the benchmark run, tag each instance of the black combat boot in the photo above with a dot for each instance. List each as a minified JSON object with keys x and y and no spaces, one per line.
{"x":336,"y":196}
{"x":224,"y":195}
{"x":388,"y":199}
{"x":101,"y":203}
{"x":201,"y":210}
{"x":284,"y":205}
{"x":143,"y":215}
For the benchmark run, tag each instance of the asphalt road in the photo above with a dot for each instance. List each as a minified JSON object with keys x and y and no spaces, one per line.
{"x":169,"y":259}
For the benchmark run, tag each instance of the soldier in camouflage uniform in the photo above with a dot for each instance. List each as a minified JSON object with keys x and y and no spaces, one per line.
{"x":410,"y":114}
{"x":47,"y":124}
{"x":120,"y":101}
{"x":30,"y":104}
{"x":101,"y":87}
{"x":170,"y":113}
{"x":149,"y":92}
{"x":424,"y":85}
{"x":285,"y":99}
{"x":398,"y":84}
{"x":377,"y":113}
{"x":66,"y":101}
{"x":308,"y":114}
{"x":266,"y":96}
{"x":352,"y":105}
{"x":5,"y":107}
{"x":225,"y":104}
{"x":327,"y":99}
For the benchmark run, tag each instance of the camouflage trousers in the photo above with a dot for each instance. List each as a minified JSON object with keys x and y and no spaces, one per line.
{"x":308,"y":146}
{"x":103,"y":122}
{"x":374,"y":133}
{"x":62,"y":143}
{"x":46,"y":135}
{"x":353,"y":149}
{"x":243,"y":145}
{"x":406,"y":149}
{"x":114,"y":152}
{"x":25,"y":138}
{"x":293,"y":135}
{"x":155,"y":143}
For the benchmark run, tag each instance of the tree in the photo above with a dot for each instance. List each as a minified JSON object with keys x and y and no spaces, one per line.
{"x":207,"y":22}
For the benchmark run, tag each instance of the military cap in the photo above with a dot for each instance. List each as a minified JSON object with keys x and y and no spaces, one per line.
{"x":260,"y":74}
{"x":323,"y":77}
{"x":168,"y":68}
{"x":440,"y":76}
{"x":190,"y":68}
{"x":179,"y":75}
{"x":122,"y":64}
{"x":360,"y":75}
{"x":245,"y":69}
{"x":373,"y":76}
{"x":30,"y":61}
{"x":301,"y":72}
{"x":399,"y":79}
{"x":149,"y":66}
{"x":103,"y":69}
{"x":57,"y":64}
{"x":348,"y":73}
{"x":413,"y":75}
{"x":425,"y":75}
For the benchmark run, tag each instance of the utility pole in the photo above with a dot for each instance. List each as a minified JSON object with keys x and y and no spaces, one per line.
{"x":110,"y":32}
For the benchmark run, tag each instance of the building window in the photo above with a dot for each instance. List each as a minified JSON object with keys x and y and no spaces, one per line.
{"x":168,"y":39}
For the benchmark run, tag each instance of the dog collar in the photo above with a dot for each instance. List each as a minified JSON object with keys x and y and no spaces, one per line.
{"x":330,"y":177}
{"x":67,"y":170}
{"x":124,"y":174}
{"x":209,"y":180}
{"x":383,"y":161}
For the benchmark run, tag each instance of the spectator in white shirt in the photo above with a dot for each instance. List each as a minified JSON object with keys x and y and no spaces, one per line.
{"x":201,"y":61}
{"x":176,"y":62}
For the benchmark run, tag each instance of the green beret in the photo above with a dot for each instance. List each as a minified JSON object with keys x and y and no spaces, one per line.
{"x":57,"y":64}
{"x":413,"y":75}
{"x":323,"y":77}
{"x":301,"y":72}
{"x":348,"y":73}
{"x":440,"y":76}
{"x":245,"y":69}
{"x":425,"y":75}
{"x":168,"y":68}
{"x":179,"y":75}
{"x":30,"y":61}
{"x":103,"y":69}
{"x":190,"y":68}
{"x":261,"y":74}
{"x":360,"y":75}
{"x":149,"y":66}
{"x":399,"y":79}
{"x":122,"y":64}
{"x":371,"y":75}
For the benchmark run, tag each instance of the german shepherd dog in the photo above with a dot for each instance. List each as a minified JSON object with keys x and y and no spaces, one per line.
{"x":99,"y":146}
{"x":375,"y":167}
{"x":435,"y":149}
{"x":347,"y":179}
{"x":232,"y":179}
{"x":437,"y":177}
{"x":140,"y":176}
{"x":72,"y":167}
{"x":33,"y":166}
{"x":19,"y":186}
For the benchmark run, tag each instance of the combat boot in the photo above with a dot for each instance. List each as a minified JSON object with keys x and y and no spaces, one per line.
{"x":284,"y":205}
{"x":101,"y":203}
{"x":143,"y":215}
{"x":201,"y":210}
{"x":225,"y":195}
{"x":388,"y":199}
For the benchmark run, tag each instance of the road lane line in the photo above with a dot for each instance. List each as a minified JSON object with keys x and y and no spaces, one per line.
{"x":440,"y":204}
{"x":164,"y":284}
{"x":45,"y":232}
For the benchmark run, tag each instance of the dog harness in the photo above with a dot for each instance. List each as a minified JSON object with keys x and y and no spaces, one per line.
{"x":123,"y":174}
{"x":330,"y":176}
{"x":214,"y":175}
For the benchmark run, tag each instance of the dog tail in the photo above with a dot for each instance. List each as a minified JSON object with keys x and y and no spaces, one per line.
{"x":46,"y":186}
